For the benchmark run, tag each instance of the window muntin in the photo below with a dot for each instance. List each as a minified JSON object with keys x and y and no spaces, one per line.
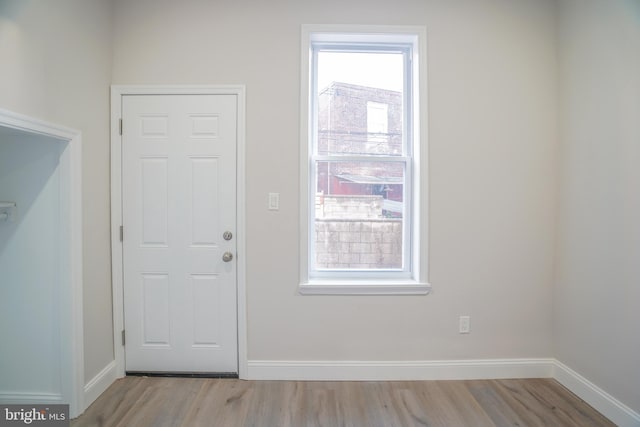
{"x":361,"y":161}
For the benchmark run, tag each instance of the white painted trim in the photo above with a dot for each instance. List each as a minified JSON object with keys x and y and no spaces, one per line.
{"x":100,"y":383}
{"x":241,"y":197}
{"x":602,"y":401}
{"x":71,"y":335}
{"x":116,"y":221}
{"x":117,"y":92}
{"x":305,"y":128}
{"x":8,"y":398}
{"x":31,"y":125}
{"x":417,"y":370}
{"x":391,"y":287}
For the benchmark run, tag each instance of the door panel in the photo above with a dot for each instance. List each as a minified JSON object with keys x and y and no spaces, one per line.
{"x":179,"y":197}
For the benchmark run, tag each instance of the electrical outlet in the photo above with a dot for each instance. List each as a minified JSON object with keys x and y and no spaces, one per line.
{"x":465,"y":323}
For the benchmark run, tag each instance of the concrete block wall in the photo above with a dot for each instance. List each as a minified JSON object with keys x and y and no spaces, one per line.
{"x":358,"y":243}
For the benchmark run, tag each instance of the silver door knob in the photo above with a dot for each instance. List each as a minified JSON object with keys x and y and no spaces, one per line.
{"x":227,"y":256}
{"x":227,"y":235}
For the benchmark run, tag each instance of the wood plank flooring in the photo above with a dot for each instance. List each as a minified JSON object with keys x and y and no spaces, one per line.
{"x":192,"y":402}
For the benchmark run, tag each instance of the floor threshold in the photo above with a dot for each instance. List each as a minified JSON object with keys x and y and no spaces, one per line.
{"x":217,"y":375}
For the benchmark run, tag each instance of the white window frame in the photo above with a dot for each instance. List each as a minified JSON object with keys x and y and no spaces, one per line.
{"x":412,"y":280}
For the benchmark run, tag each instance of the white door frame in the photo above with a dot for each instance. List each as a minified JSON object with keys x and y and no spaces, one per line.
{"x":117,"y":92}
{"x":71,"y":320}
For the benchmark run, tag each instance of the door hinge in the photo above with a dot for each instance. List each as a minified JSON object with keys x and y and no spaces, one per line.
{"x":123,"y":339}
{"x":120,"y":126}
{"x":121,"y":233}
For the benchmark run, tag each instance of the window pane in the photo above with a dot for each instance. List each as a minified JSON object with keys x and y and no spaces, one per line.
{"x":360,"y":103}
{"x":359,"y":215}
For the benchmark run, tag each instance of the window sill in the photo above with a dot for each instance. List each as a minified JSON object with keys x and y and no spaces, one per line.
{"x":365,"y":287}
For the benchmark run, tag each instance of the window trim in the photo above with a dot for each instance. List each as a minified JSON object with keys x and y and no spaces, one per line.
{"x":414,"y":281}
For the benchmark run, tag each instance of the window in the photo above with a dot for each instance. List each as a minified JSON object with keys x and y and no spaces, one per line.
{"x":360,"y":161}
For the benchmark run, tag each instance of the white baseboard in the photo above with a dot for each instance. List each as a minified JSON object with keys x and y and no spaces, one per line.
{"x":399,"y":370}
{"x":99,"y":384}
{"x":9,"y":398}
{"x":602,"y":401}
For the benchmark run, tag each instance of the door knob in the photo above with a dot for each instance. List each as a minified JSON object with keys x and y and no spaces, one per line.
{"x":227,"y":256}
{"x":227,"y":235}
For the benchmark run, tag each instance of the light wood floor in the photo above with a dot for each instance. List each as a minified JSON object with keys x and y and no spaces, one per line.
{"x":142,"y":401}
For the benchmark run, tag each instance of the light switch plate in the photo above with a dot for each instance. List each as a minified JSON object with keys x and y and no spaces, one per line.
{"x":274,"y":201}
{"x":464,"y":324}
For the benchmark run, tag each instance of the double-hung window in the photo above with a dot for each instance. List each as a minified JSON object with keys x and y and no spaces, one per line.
{"x":363,"y":230}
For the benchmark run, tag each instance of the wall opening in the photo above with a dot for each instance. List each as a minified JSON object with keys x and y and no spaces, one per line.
{"x":40,"y":263}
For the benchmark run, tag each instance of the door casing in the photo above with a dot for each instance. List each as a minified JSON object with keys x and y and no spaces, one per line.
{"x":117,"y":92}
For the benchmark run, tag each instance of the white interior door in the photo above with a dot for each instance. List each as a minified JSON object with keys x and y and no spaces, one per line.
{"x":179,"y":200}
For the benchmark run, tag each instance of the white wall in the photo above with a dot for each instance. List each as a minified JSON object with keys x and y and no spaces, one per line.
{"x":597,"y":296}
{"x":30,"y":360}
{"x":56,"y":65}
{"x":493,"y":147}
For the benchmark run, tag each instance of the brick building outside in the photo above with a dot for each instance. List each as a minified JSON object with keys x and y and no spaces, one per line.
{"x":358,"y":209}
{"x":355,"y":120}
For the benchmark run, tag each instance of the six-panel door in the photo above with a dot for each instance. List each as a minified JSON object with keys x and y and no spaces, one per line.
{"x":179,"y":198}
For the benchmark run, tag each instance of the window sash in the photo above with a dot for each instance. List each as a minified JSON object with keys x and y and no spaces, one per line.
{"x":405,"y":272}
{"x":405,"y":48}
